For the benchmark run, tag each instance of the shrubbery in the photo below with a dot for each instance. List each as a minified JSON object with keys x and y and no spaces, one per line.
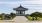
{"x":34,"y":16}
{"x":4,"y":16}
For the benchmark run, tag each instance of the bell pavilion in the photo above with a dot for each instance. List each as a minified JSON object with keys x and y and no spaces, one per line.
{"x":20,"y":11}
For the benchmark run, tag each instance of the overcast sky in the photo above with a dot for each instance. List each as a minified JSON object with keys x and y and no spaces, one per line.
{"x":6,"y":6}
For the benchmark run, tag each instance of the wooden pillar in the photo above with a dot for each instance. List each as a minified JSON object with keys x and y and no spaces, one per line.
{"x":16,"y":12}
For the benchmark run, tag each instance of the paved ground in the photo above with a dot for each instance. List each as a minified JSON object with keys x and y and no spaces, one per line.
{"x":19,"y":19}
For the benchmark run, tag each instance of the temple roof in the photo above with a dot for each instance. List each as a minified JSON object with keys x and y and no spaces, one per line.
{"x":20,"y":8}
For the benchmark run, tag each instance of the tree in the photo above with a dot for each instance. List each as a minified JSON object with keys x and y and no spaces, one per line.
{"x":36,"y":14}
{"x":12,"y":15}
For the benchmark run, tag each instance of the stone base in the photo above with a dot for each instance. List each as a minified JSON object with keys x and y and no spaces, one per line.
{"x":20,"y":15}
{"x":19,"y":19}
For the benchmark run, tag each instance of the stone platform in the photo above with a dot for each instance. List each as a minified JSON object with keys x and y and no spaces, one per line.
{"x":19,"y":19}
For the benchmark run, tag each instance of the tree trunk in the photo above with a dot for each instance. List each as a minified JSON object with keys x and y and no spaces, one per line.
{"x":36,"y":18}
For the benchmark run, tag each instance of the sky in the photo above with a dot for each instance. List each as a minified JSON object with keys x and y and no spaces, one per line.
{"x":6,"y":6}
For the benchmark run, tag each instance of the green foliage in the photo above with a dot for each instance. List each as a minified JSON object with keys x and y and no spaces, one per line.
{"x":38,"y":18}
{"x":35,"y":15}
{"x":29,"y":17}
{"x":4,"y":16}
{"x":12,"y":15}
